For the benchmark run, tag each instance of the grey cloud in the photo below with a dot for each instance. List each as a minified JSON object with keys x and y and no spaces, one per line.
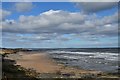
{"x":90,"y":7}
{"x":28,"y":37}
{"x":23,"y":6}
{"x":4,"y":13}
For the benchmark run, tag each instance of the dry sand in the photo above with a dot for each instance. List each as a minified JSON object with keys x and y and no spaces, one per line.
{"x":38,"y":61}
{"x":42,"y":63}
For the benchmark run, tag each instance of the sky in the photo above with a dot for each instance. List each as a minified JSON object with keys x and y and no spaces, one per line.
{"x":59,"y":24}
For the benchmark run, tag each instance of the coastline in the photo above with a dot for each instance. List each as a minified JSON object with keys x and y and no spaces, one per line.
{"x":42,"y":63}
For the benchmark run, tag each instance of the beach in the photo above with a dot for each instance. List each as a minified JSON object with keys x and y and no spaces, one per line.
{"x":39,"y":64}
{"x":42,"y":63}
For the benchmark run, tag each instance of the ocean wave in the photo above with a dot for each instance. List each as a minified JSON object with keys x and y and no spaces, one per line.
{"x":78,"y":55}
{"x":105,"y":61}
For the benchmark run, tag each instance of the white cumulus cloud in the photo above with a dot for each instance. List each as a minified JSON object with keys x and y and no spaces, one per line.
{"x":62,"y":22}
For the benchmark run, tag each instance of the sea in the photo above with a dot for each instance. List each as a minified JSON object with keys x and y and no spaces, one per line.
{"x":100,"y":59}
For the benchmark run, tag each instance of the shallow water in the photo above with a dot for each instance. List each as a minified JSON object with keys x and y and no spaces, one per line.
{"x":104,"y":60}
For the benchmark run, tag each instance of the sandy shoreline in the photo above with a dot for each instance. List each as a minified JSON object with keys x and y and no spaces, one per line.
{"x":42,"y":63}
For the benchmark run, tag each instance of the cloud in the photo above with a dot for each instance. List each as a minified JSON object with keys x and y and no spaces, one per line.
{"x":4,"y":13}
{"x":23,"y":6}
{"x":62,"y":22}
{"x":69,"y":28}
{"x":91,"y":7}
{"x":57,"y":25}
{"x":45,"y":23}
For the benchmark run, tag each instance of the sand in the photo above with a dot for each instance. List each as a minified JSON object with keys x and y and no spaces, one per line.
{"x":42,"y":63}
{"x":38,"y":61}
